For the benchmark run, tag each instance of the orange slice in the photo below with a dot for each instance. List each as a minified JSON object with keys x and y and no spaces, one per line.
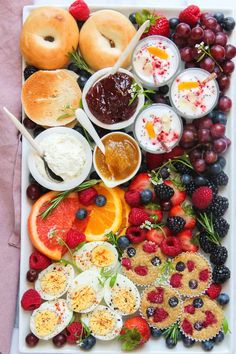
{"x":188,"y":85}
{"x":150,"y":130}
{"x":125,"y":212}
{"x":158,"y":52}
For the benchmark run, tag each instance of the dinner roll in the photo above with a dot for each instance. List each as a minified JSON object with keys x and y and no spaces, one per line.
{"x":47,"y":36}
{"x":47,"y":95}
{"x":103,"y":37}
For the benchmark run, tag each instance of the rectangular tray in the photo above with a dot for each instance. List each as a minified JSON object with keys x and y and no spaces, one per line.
{"x":153,"y":346}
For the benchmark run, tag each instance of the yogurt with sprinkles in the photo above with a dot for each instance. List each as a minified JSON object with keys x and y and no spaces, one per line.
{"x":192,"y":93}
{"x":158,"y":128}
{"x":155,"y":61}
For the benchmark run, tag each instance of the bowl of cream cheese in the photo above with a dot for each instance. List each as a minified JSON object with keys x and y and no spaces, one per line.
{"x":68,"y":155}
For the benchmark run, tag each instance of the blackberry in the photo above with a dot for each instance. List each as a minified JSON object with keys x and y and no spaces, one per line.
{"x":182,"y":168}
{"x":221,"y":226}
{"x":220,"y":274}
{"x":163,"y":192}
{"x":219,"y":255}
{"x":221,"y":179}
{"x":29,"y":70}
{"x":175,"y":224}
{"x":219,"y":206}
{"x":206,"y":245}
{"x":213,"y":186}
{"x":190,"y":188}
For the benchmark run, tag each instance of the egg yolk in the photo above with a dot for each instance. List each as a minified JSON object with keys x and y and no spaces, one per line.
{"x":82,"y":298}
{"x":102,"y":256}
{"x":53,"y":283}
{"x":102,"y":322}
{"x":124,"y":300}
{"x":45,"y":322}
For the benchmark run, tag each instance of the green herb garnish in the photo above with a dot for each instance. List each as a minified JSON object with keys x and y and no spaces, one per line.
{"x":204,"y":50}
{"x":136,"y":90}
{"x":77,"y":59}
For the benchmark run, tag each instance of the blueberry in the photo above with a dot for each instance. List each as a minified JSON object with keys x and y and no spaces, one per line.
{"x":156,"y":261}
{"x":219,"y":337}
{"x":186,"y":179}
{"x":200,"y":181}
{"x":131,"y":251}
{"x":123,"y":242}
{"x":214,"y":169}
{"x":100,"y":200}
{"x":81,"y":214}
{"x":211,"y":114}
{"x":180,"y":266}
{"x":164,"y":89}
{"x":156,"y":332}
{"x":150,"y":311}
{"x":228,"y":24}
{"x":223,"y":299}
{"x":187,"y":342}
{"x":164,"y":172}
{"x":219,"y":117}
{"x":173,"y":22}
{"x":80,"y":24}
{"x":173,"y":301}
{"x":29,"y":70}
{"x":131,"y":134}
{"x":79,"y":129}
{"x":146,"y":196}
{"x":94,"y":175}
{"x":38,"y":130}
{"x":132,"y":18}
{"x":207,"y":345}
{"x":221,"y":160}
{"x":167,"y":99}
{"x":88,"y":342}
{"x":82,"y":81}
{"x":193,"y":284}
{"x":73,"y":67}
{"x":219,"y":16}
{"x":197,"y":303}
{"x":170,"y":342}
{"x":198,"y":325}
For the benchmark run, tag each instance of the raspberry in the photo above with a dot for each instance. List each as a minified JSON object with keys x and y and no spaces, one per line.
{"x":190,"y":266}
{"x":31,"y":300}
{"x":135,"y":234}
{"x":187,"y":327}
{"x":87,"y":197}
{"x":210,"y":319}
{"x":156,"y":296}
{"x":74,"y":331}
{"x":132,"y":197}
{"x":189,"y":309}
{"x":160,"y":315}
{"x":141,"y":270}
{"x":204,"y":275}
{"x":126,"y":262}
{"x":79,"y":10}
{"x":175,"y":280}
{"x":214,"y":290}
{"x":138,"y":216}
{"x":74,"y":238}
{"x":202,"y":197}
{"x":190,"y":15}
{"x":38,"y":261}
{"x":171,"y":246}
{"x":150,"y":247}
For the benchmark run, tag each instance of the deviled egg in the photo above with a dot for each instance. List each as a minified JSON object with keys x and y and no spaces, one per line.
{"x":96,"y":255}
{"x":51,"y":318}
{"x":85,"y":292}
{"x":104,"y":323}
{"x":123,"y":297}
{"x":54,"y":281}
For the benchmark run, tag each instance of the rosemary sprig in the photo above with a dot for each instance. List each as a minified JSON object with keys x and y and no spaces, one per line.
{"x":52,"y":204}
{"x":136,"y":90}
{"x":166,"y":269}
{"x":107,"y":274}
{"x":172,"y":332}
{"x":77,"y":59}
{"x":207,"y":223}
{"x":204,"y":50}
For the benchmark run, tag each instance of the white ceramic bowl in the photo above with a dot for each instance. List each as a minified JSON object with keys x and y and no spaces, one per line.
{"x":116,"y":126}
{"x":63,"y":185}
{"x":112,"y":184}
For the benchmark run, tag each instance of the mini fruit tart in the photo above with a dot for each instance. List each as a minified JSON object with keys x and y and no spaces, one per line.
{"x":201,"y":319}
{"x":191,"y":275}
{"x":142,"y":263}
{"x":160,"y":306}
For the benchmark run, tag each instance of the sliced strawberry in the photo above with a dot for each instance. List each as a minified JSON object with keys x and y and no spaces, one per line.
{"x":186,"y":212}
{"x":140,"y":182}
{"x":158,"y":235}
{"x":154,"y":160}
{"x":185,"y":238}
{"x":179,"y":195}
{"x":177,"y":151}
{"x":154,"y":209}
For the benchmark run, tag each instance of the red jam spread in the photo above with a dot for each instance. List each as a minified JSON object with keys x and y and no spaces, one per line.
{"x":108,"y":100}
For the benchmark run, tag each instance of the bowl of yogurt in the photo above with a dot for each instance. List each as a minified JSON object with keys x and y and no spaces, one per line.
{"x":193,"y":94}
{"x":155,"y":61}
{"x":68,"y":155}
{"x":158,"y":128}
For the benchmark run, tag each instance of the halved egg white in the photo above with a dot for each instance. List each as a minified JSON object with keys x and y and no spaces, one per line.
{"x":123,"y":297}
{"x":85,"y":292}
{"x":54,"y":281}
{"x":96,"y":255}
{"x":51,"y":318}
{"x":104,"y":323}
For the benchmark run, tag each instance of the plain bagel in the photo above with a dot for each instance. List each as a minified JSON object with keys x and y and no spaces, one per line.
{"x":47,"y":36}
{"x":103,"y":37}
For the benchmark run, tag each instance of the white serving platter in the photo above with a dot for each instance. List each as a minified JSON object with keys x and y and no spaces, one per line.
{"x":153,"y":346}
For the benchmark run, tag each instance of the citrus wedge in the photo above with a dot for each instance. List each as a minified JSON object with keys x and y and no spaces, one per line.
{"x":188,"y":85}
{"x":158,"y":52}
{"x":125,"y":212}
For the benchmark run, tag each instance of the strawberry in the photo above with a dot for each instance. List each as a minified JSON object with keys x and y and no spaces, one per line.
{"x":140,"y":182}
{"x":190,"y":15}
{"x":158,"y":235}
{"x":79,"y":10}
{"x":135,"y":332}
{"x":155,"y":212}
{"x":186,"y":212}
{"x":177,"y":151}
{"x":202,"y":197}
{"x":74,"y":332}
{"x":179,"y":194}
{"x":159,"y":24}
{"x":185,"y":238}
{"x":154,"y":160}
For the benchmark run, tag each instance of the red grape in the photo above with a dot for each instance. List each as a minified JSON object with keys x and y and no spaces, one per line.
{"x":204,"y":135}
{"x":197,"y":33}
{"x":195,"y":53}
{"x":217,"y":71}
{"x":230,"y":51}
{"x":179,"y":41}
{"x":199,"y":165}
{"x":217,"y":28}
{"x":228,"y":141}
{"x":159,"y":98}
{"x":204,"y":16}
{"x":207,"y":64}
{"x":220,"y":145}
{"x":31,"y":340}
{"x":205,"y":122}
{"x":209,"y":37}
{"x":32,"y":275}
{"x":224,"y":104}
{"x":188,"y":139}
{"x":228,"y":66}
{"x":210,"y":23}
{"x":218,"y":52}
{"x":33,"y":191}
{"x":217,"y":130}
{"x":59,"y":340}
{"x":186,"y":54}
{"x":183,"y":30}
{"x":224,"y":82}
{"x":192,"y":42}
{"x":221,"y":38}
{"x":210,"y":156}
{"x":29,"y":124}
{"x":195,"y":154}
{"x":190,"y":64}
{"x":191,"y":127}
